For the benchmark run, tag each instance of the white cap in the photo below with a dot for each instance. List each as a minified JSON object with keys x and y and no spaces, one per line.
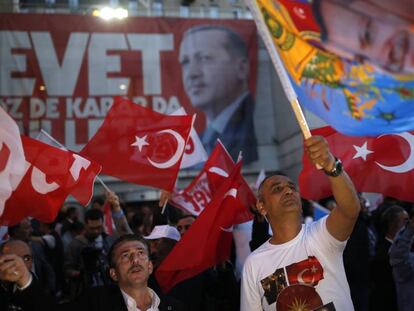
{"x":164,"y":231}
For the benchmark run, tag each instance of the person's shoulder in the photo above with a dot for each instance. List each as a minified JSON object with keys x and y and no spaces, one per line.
{"x":261,"y":251}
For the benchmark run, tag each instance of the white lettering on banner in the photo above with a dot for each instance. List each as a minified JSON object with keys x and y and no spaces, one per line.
{"x":160,"y":104}
{"x":70,"y":136}
{"x":45,"y":114}
{"x":36,"y":125}
{"x":61,"y":76}
{"x":151,"y":45}
{"x":12,"y":106}
{"x":60,"y":80}
{"x":10,"y":64}
{"x":40,"y":109}
{"x":100,"y":64}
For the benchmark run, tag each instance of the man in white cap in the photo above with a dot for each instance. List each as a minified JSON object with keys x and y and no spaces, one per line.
{"x":162,"y":239}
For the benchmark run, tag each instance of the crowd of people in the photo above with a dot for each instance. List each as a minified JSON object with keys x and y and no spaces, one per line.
{"x":356,"y":258}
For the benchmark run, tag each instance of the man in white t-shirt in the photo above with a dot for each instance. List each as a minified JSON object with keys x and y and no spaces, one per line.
{"x":300,"y":267}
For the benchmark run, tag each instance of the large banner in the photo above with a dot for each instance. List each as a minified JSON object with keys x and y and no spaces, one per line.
{"x":61,"y":72}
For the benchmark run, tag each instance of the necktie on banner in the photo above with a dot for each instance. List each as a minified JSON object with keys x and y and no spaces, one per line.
{"x":139,"y":145}
{"x":355,"y":98}
{"x":198,"y":194}
{"x":51,"y":175}
{"x":194,"y":151}
{"x":12,"y":161}
{"x":209,"y":238}
{"x":383,"y":164}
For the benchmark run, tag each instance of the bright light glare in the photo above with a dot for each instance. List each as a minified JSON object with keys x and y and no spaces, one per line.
{"x":120,"y":13}
{"x":108,"y":13}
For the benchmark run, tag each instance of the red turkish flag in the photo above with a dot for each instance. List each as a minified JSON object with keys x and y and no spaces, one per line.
{"x":139,"y":145}
{"x":209,"y":238}
{"x":308,"y":271}
{"x":197,"y":195}
{"x":109,"y":222}
{"x":383,"y":164}
{"x":52,"y":174}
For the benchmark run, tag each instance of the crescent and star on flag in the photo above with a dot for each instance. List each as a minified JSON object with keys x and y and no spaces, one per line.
{"x":407,"y":165}
{"x":140,"y":142}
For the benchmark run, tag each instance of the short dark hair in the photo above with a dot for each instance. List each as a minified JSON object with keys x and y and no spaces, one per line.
{"x":121,"y":240}
{"x":235,"y":46}
{"x":100,"y":201}
{"x":93,"y":214}
{"x":276,"y":173}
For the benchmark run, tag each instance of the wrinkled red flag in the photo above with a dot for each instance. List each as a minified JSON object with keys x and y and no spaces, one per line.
{"x":139,"y":145}
{"x":197,"y":195}
{"x":12,"y":161}
{"x":52,"y":174}
{"x":383,"y":164}
{"x":209,"y":238}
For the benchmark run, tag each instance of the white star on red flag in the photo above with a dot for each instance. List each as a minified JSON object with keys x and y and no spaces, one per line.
{"x":140,"y":142}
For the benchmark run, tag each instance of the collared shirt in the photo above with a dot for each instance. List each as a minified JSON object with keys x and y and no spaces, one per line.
{"x":132,"y":305}
{"x":220,"y":122}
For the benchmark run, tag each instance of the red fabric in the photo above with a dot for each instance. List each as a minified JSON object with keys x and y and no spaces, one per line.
{"x":394,"y":151}
{"x":208,"y":240}
{"x":109,"y":222}
{"x":197,"y":195}
{"x":308,"y":271}
{"x":112,"y":145}
{"x":49,"y":179}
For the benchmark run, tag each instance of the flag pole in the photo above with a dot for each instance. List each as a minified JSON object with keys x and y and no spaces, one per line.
{"x":280,"y":69}
{"x":64,"y":147}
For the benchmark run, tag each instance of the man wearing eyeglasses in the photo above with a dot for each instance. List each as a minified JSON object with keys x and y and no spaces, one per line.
{"x":130,"y":268}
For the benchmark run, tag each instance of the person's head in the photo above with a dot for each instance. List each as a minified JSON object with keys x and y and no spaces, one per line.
{"x":368,"y":30}
{"x":279,"y":199}
{"x":129,"y":261}
{"x":72,"y":213}
{"x":162,"y":240}
{"x":392,"y":220}
{"x":22,"y":231}
{"x":19,"y":248}
{"x":184,"y":223}
{"x":76,"y":228}
{"x":98,"y":204}
{"x":93,"y":223}
{"x":214,"y":66}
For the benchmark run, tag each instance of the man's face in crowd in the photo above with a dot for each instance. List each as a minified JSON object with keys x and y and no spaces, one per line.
{"x":279,"y":196}
{"x":211,"y":76}
{"x":184,"y":224}
{"x":364,"y":30}
{"x":132,"y":264}
{"x":93,"y":228}
{"x":25,"y":230}
{"x":20,"y":249}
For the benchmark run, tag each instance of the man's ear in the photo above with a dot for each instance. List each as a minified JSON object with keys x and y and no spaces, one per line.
{"x":260,"y":208}
{"x":243,"y":66}
{"x":113,"y":275}
{"x":150,"y":267}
